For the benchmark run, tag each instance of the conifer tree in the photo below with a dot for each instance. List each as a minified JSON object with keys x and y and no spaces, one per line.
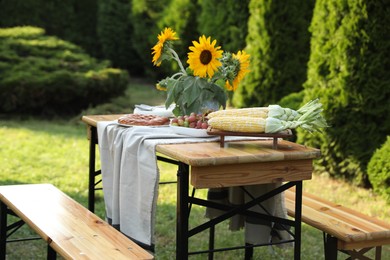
{"x":278,"y":42}
{"x":349,"y":71}
{"x":114,"y":31}
{"x":226,"y":21}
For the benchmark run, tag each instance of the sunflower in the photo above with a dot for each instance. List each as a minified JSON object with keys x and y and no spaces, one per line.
{"x":242,"y":69}
{"x":203,"y":58}
{"x":167,"y":35}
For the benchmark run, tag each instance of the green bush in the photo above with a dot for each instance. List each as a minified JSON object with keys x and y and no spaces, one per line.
{"x":45,"y":75}
{"x":216,"y":20}
{"x":349,"y":71}
{"x":278,"y":42}
{"x":293,"y":100}
{"x":181,"y":16}
{"x":378,"y":170}
{"x":71,"y":20}
{"x":114,"y":31}
{"x":144,"y":17}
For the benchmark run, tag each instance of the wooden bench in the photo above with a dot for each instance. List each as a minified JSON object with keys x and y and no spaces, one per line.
{"x":69,"y":229}
{"x":344,"y":229}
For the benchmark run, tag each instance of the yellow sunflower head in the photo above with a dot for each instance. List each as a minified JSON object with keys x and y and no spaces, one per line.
{"x":165,"y":36}
{"x":241,"y":70}
{"x":203,"y":58}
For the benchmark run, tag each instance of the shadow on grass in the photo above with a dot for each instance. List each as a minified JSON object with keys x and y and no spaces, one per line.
{"x":224,"y":237}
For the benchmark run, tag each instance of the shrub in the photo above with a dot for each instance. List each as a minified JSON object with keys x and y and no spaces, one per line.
{"x":114,"y":31}
{"x":278,"y":42}
{"x":144,"y":17}
{"x":71,"y":20}
{"x":293,"y":100}
{"x":378,"y":170}
{"x":216,"y":20}
{"x":348,"y":71}
{"x":181,"y":16}
{"x":45,"y":75}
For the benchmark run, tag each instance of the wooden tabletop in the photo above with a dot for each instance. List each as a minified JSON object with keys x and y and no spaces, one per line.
{"x":210,"y":153}
{"x":93,"y":119}
{"x":241,"y":163}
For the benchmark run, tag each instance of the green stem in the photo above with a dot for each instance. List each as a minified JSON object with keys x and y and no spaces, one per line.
{"x":176,"y":74}
{"x":176,"y":57}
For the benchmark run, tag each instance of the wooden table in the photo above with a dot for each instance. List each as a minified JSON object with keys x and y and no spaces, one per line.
{"x":238,"y":163}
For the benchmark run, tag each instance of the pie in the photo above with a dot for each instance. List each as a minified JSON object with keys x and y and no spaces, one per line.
{"x":143,"y":120}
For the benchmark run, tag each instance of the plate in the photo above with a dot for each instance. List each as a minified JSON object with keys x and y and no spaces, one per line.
{"x":189,"y":131}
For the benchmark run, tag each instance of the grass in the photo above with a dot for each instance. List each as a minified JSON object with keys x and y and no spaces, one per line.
{"x":42,"y":151}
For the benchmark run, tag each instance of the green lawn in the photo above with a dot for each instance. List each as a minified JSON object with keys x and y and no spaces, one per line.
{"x":39,"y":151}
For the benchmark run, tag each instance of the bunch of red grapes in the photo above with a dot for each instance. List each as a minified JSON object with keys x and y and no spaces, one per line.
{"x":197,"y":121}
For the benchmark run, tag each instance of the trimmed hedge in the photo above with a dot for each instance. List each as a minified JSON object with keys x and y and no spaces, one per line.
{"x":378,"y":170}
{"x":181,"y":16}
{"x":71,"y":20}
{"x":45,"y":75}
{"x":278,"y":42}
{"x":229,"y":30}
{"x":349,"y":72}
{"x":114,"y":31}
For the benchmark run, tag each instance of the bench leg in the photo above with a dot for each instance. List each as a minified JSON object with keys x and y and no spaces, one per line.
{"x":3,"y":230}
{"x":51,"y":254}
{"x":359,"y":254}
{"x":378,"y":253}
{"x":330,"y":247}
{"x":211,"y":242}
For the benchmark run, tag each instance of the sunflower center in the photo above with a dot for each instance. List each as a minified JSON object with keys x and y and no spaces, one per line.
{"x":205,"y":57}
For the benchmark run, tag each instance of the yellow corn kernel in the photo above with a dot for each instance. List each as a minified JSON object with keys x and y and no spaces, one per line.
{"x":261,"y":112}
{"x":238,"y":124}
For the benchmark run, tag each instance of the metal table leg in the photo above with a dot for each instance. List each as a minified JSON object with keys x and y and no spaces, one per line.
{"x":182,"y":212}
{"x":91,"y":177}
{"x":298,"y":218}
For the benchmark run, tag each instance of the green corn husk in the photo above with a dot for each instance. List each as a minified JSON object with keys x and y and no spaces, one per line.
{"x":282,"y":113}
{"x":288,"y":114}
{"x":308,"y":117}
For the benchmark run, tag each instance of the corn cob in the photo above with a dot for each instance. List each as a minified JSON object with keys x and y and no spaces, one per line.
{"x":261,"y":112}
{"x":252,"y":124}
{"x":271,"y":119}
{"x":274,"y":111}
{"x":244,"y":124}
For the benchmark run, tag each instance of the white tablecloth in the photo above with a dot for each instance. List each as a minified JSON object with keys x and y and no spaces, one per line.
{"x":130,"y":175}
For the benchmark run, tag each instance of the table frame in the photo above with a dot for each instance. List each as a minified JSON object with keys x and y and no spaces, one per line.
{"x":183,"y":212}
{"x":184,"y":202}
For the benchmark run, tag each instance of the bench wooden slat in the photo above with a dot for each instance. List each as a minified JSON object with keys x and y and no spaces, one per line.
{"x":69,"y":228}
{"x":353,"y":229}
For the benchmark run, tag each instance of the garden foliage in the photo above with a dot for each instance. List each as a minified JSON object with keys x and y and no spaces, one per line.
{"x":349,"y":72}
{"x":114,"y":31}
{"x":278,"y":42}
{"x":43,"y":74}
{"x":379,"y":170}
{"x":225,"y":20}
{"x":71,"y":20}
{"x":181,"y":16}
